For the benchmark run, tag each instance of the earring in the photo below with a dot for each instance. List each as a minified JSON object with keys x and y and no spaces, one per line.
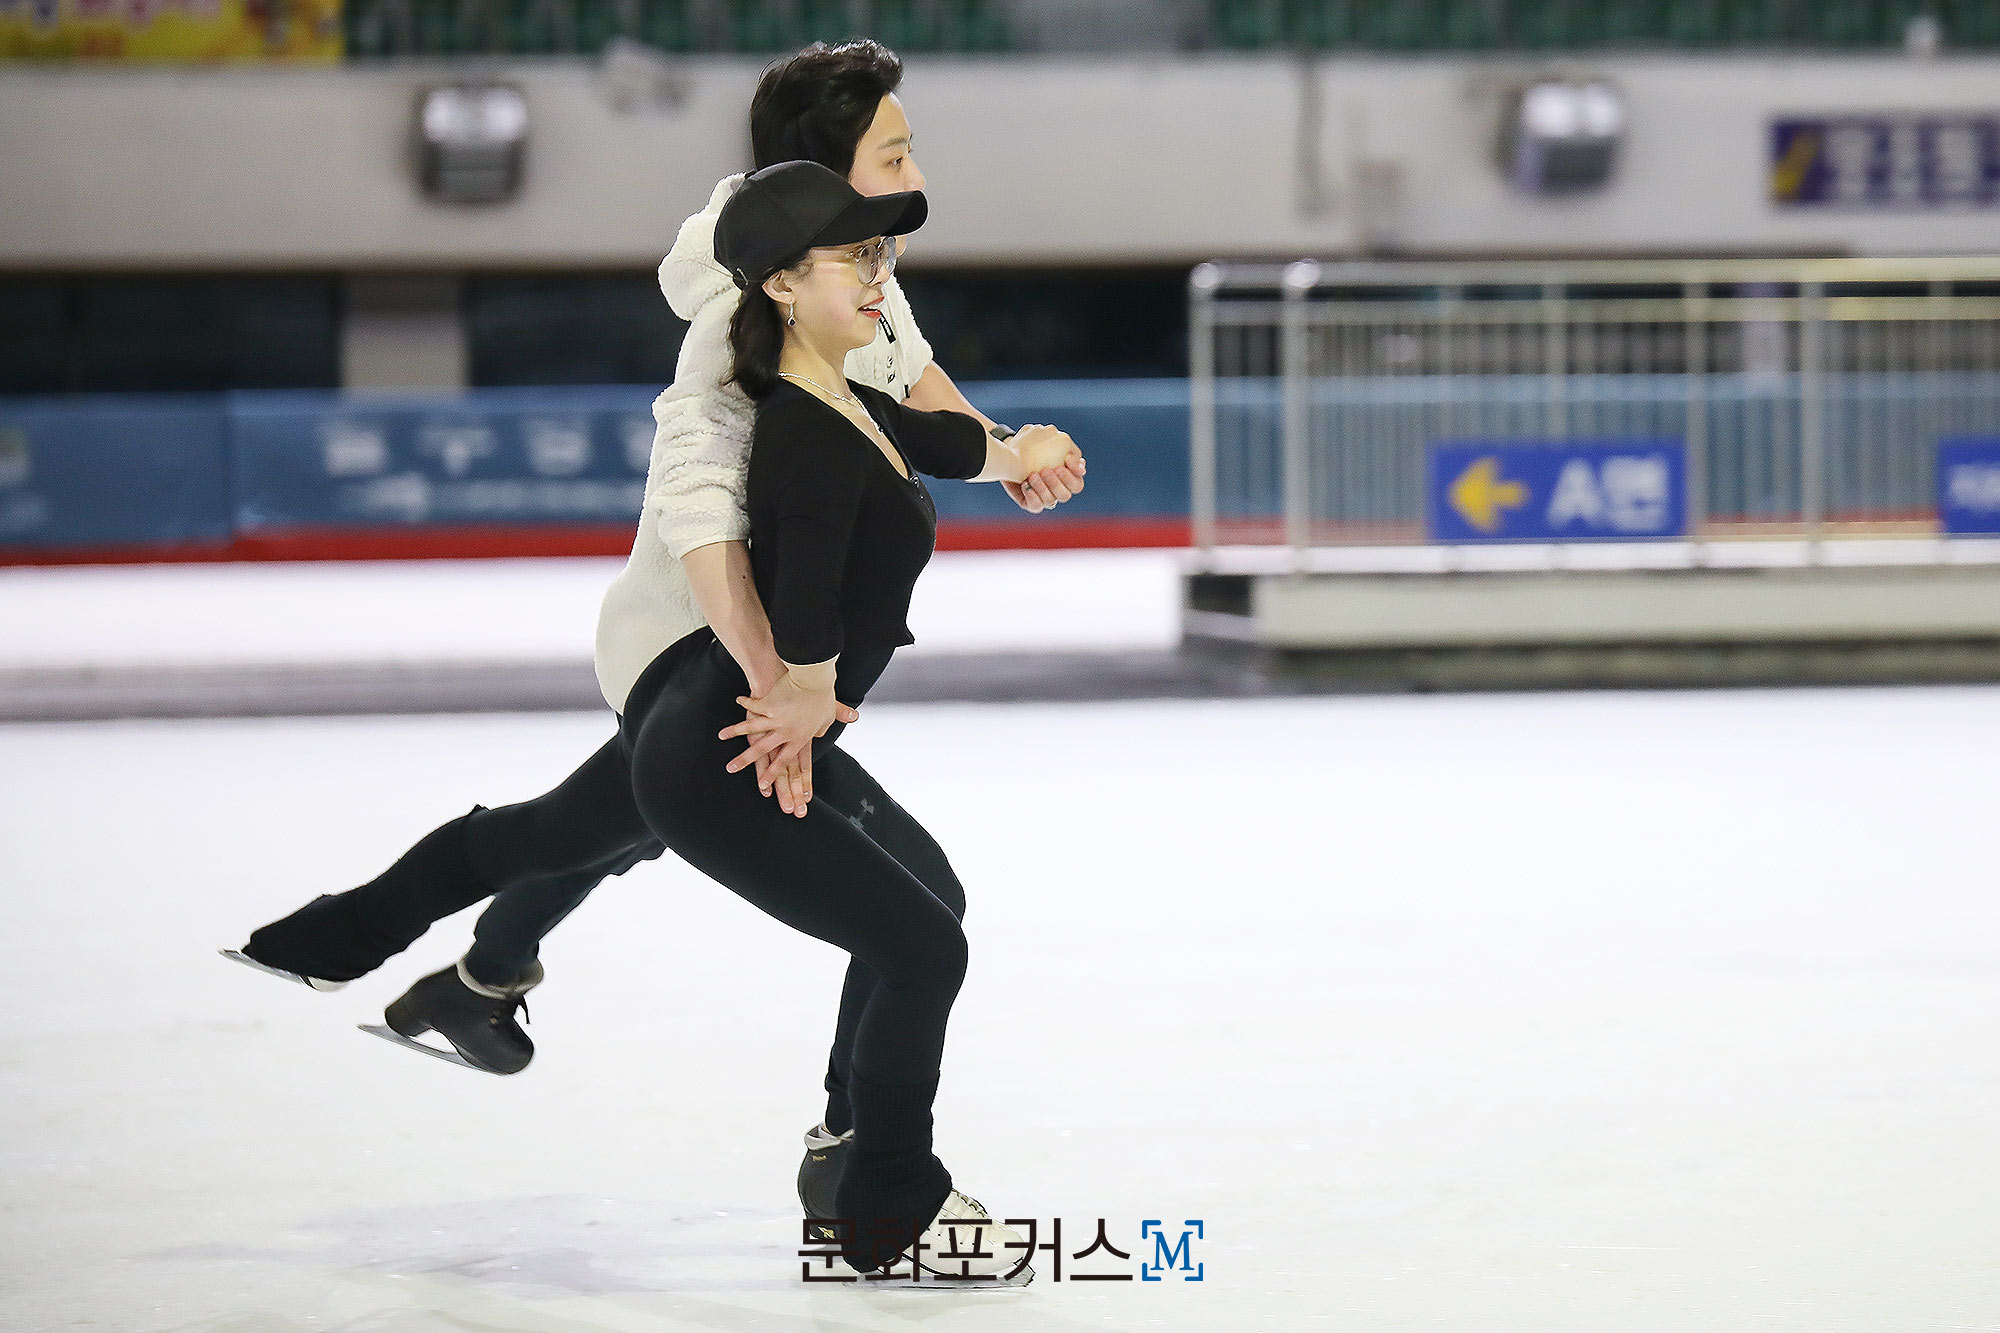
{"x":791,"y":320}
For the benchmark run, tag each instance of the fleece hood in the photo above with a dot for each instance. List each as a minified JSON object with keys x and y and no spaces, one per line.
{"x":689,"y":275}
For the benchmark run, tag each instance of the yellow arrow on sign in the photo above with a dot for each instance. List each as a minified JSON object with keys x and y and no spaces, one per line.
{"x":1480,"y":496}
{"x":1788,"y":174}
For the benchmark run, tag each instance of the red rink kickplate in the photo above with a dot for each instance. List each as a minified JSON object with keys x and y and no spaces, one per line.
{"x":474,"y":543}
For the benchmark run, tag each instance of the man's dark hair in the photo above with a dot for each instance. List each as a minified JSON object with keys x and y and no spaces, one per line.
{"x":817,"y":104}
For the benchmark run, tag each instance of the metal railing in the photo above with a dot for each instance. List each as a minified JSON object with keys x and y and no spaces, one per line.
{"x":1810,"y":393}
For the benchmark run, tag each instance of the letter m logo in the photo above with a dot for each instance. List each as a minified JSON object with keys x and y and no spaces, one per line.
{"x":1171,"y":1258}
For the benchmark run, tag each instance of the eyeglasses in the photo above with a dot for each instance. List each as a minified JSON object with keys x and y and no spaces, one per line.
{"x":872,"y":262}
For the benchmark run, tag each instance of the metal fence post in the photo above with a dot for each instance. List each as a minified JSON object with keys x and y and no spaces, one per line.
{"x":1931,"y":414}
{"x":1694,"y":339}
{"x":1202,"y":284}
{"x":1294,"y":360}
{"x":1555,"y":354}
{"x":1812,"y":415}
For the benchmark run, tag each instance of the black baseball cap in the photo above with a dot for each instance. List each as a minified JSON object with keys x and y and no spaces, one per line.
{"x":787,"y":209}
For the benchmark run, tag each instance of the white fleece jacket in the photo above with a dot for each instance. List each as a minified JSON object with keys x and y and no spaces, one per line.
{"x":701,"y":451}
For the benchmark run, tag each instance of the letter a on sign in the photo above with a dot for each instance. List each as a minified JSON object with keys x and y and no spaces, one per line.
{"x":1576,"y":495}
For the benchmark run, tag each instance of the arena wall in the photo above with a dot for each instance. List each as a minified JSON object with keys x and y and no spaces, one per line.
{"x":1033,"y":160}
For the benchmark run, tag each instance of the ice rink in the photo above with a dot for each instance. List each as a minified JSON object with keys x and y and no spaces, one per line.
{"x":1563,"y":1012}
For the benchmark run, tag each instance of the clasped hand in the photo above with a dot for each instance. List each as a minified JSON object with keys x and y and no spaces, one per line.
{"x":1055,"y":468}
{"x":782,"y":724}
{"x":781,"y":727}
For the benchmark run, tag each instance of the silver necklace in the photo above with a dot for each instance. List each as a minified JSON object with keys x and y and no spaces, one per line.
{"x":843,"y":397}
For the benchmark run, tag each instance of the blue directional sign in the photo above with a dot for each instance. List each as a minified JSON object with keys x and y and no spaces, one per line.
{"x":1914,"y":160}
{"x":1557,"y":490}
{"x":1968,"y":474}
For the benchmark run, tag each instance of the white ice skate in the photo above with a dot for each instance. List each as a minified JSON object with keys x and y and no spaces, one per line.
{"x":316,"y":983}
{"x":963,"y":1249}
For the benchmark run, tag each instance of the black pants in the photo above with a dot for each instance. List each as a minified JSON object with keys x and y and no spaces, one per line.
{"x":857,"y":871}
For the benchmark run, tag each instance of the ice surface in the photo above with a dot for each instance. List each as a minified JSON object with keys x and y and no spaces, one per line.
{"x":1565,"y":1012}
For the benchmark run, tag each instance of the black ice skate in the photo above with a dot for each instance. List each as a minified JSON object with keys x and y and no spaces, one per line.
{"x":477,"y":1020}
{"x":819,"y":1173}
{"x":317,"y":983}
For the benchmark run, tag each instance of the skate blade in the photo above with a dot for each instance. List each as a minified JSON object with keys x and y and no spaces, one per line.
{"x":237,"y":955}
{"x":449,"y":1056}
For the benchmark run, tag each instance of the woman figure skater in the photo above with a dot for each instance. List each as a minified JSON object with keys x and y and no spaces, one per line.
{"x":690,"y":565}
{"x":840,"y":527}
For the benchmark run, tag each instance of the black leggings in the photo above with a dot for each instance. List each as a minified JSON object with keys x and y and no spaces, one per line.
{"x":824,"y":876}
{"x":857,"y":871}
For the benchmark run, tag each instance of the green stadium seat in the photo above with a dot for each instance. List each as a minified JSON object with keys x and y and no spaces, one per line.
{"x":1635,"y":23}
{"x":977,"y":26}
{"x":1758,"y":22}
{"x":1848,"y":23}
{"x":598,"y":21}
{"x":1319,"y":24}
{"x":905,"y":25}
{"x":1472,"y":25}
{"x":1403,"y":25}
{"x":364,"y":31}
{"x":1557,"y":25}
{"x":761,"y":26}
{"x":1248,"y":25}
{"x":539,"y":27}
{"x":665,"y":25}
{"x":1696,"y":22}
{"x":825,"y":21}
{"x":1971,"y":24}
{"x":437,"y":28}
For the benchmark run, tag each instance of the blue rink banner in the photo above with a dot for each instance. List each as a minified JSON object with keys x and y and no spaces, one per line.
{"x":1968,"y":474}
{"x":552,"y":457}
{"x":112,"y":471}
{"x":205,"y":473}
{"x":1556,"y":490}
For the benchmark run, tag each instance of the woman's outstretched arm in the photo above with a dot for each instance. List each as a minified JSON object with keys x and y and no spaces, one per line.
{"x":935,"y":391}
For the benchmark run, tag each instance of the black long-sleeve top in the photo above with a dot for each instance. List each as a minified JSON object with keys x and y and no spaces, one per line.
{"x":837,"y":534}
